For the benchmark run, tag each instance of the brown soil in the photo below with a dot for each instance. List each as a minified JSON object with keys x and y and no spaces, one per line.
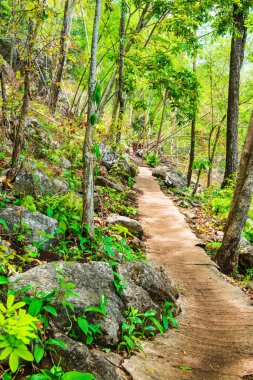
{"x":215,"y":336}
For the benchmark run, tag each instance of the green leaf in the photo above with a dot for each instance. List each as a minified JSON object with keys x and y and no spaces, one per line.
{"x":23,"y":353}
{"x":3,"y":280}
{"x":3,"y":222}
{"x":38,"y":353}
{"x":93,"y":119}
{"x":157,"y":324}
{"x":6,"y":352}
{"x":97,"y":94}
{"x":35,"y":307}
{"x":51,"y":310}
{"x":57,"y":342}
{"x":83,"y":324}
{"x":13,"y":362}
{"x":129,"y":341}
{"x":185,"y":368}
{"x":165,"y":322}
{"x":38,"y":376}
{"x":74,"y":375}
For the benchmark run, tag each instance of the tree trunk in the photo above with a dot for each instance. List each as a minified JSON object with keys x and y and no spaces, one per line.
{"x":193,"y":140}
{"x":121,"y":100}
{"x":4,"y":100}
{"x":19,"y":133}
{"x":162,"y":122}
{"x":227,"y":255}
{"x":212,"y":150}
{"x":65,"y":32}
{"x":197,"y":183}
{"x":106,"y":94}
{"x":88,"y":157}
{"x":236,"y":60}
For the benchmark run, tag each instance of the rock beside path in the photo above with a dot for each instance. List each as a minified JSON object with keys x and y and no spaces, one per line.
{"x":34,"y":226}
{"x":170,"y":176}
{"x":145,"y":288}
{"x":132,"y":225}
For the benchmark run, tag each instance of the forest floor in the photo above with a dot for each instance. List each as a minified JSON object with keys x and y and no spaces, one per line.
{"x":214,"y":340}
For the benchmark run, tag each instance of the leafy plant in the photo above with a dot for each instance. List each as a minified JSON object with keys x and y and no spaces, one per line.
{"x":152,"y":159}
{"x":18,"y":329}
{"x":56,"y":373}
{"x":167,"y":315}
{"x":89,"y":329}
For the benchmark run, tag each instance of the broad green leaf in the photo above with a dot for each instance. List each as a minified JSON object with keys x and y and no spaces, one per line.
{"x":83,"y":324}
{"x":73,"y":375}
{"x":13,"y":362}
{"x":3,"y":280}
{"x":23,"y":353}
{"x":50,"y":310}
{"x":57,"y":342}
{"x":35,"y":307}
{"x":38,"y":353}
{"x":6,"y":352}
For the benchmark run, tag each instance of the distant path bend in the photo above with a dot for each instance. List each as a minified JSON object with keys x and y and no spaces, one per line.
{"x":215,"y":335}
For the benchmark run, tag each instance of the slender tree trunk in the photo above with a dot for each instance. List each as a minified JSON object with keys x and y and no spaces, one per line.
{"x":19,"y":133}
{"x":197,"y":183}
{"x":212,"y":150}
{"x":106,"y":94}
{"x":4,"y":99}
{"x":88,"y":157}
{"x":162,"y":122}
{"x":121,"y":100}
{"x":236,"y":59}
{"x":65,"y":32}
{"x":140,"y":25}
{"x":227,"y":255}
{"x":193,"y":140}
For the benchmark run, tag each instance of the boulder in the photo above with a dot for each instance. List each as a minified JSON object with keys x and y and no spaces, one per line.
{"x":34,"y":226}
{"x":170,"y":176}
{"x":128,"y":166}
{"x":146,"y":287}
{"x":102,"y":181}
{"x":160,"y":172}
{"x":132,"y":225}
{"x":32,"y":181}
{"x":77,"y":357}
{"x":137,"y":244}
{"x":108,"y":157}
{"x":65,"y":163}
{"x":40,"y":137}
{"x":91,"y":281}
{"x":246,"y":257}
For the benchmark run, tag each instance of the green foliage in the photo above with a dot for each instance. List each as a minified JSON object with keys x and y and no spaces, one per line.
{"x":17,"y":330}
{"x":152,"y":159}
{"x":212,"y":247}
{"x":141,"y":325}
{"x":201,"y":164}
{"x":56,"y":373}
{"x":90,"y":330}
{"x":218,"y":201}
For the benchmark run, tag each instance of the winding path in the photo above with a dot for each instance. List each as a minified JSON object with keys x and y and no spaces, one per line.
{"x":215,"y":335}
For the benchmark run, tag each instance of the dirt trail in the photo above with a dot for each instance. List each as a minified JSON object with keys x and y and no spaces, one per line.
{"x":215,"y":335}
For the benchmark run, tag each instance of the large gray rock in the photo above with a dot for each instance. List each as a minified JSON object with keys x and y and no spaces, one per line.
{"x":132,"y":225}
{"x":246,"y":257}
{"x":32,"y":181}
{"x":77,"y":357}
{"x":91,"y":281}
{"x":170,"y":176}
{"x":33,"y":225}
{"x":147,"y":287}
{"x":102,"y":181}
{"x":108,"y":157}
